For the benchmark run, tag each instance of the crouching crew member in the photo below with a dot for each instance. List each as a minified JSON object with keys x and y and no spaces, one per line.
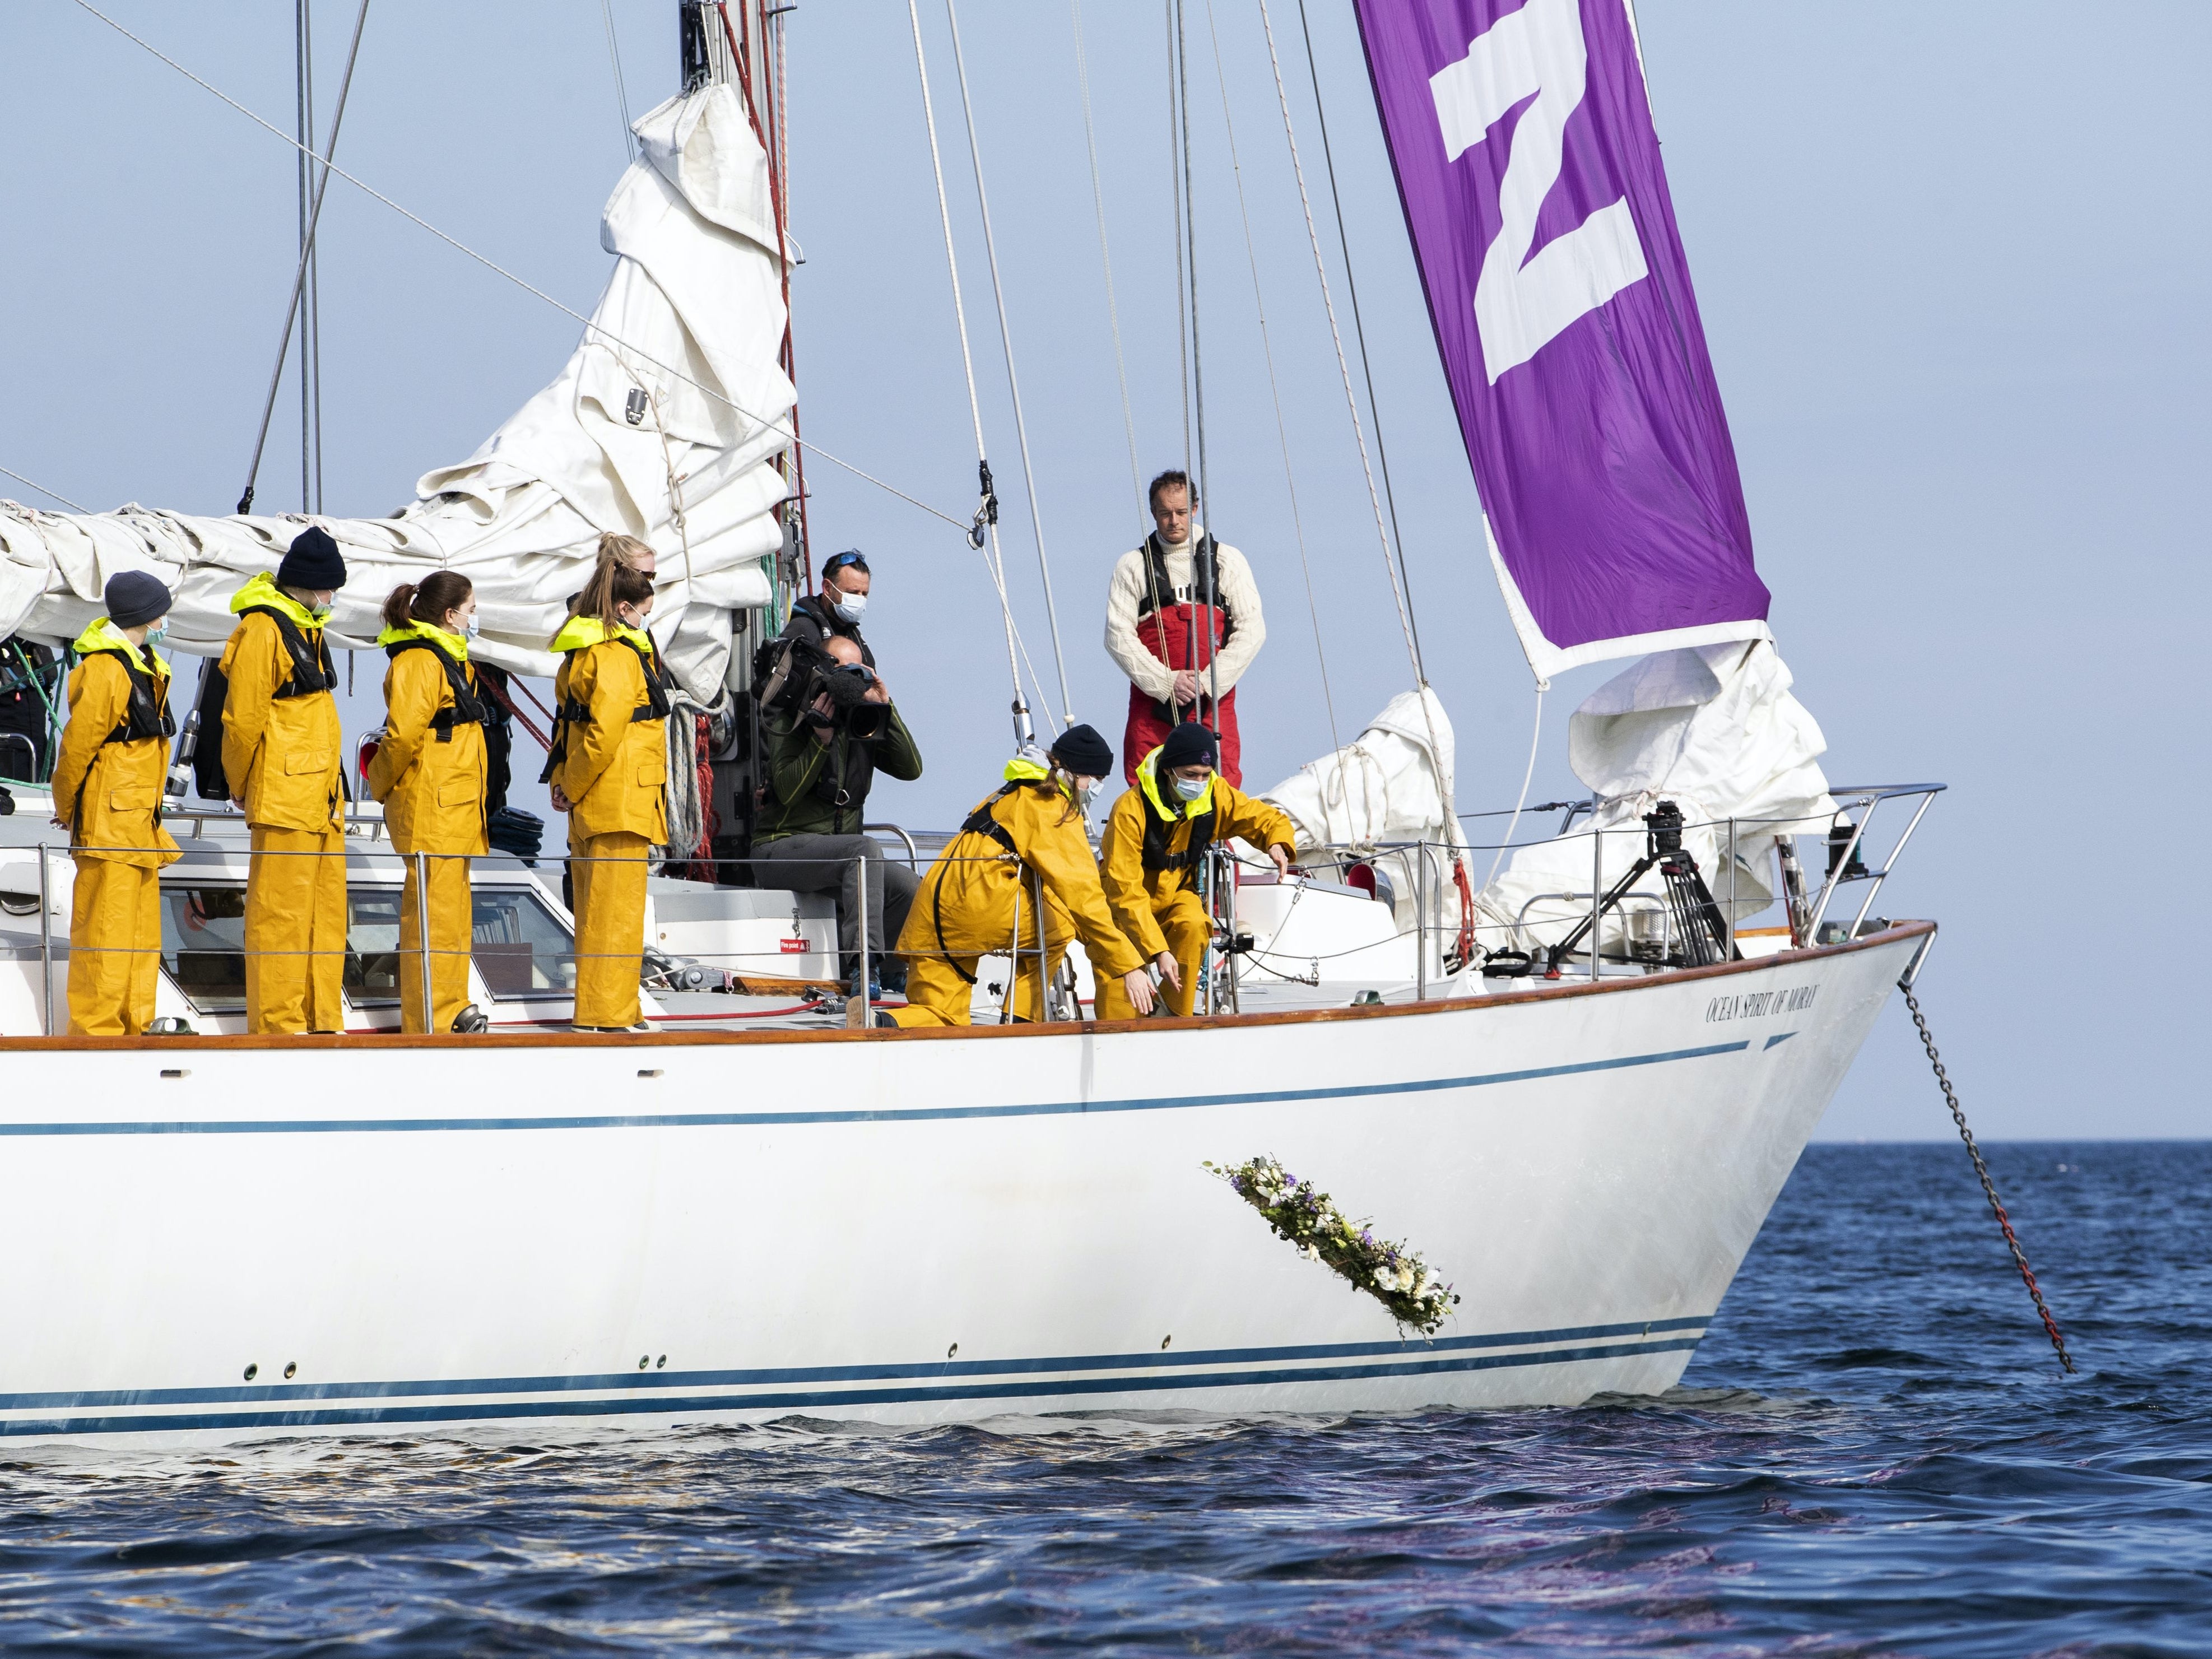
{"x":609,"y":771}
{"x":430,"y":773}
{"x":280,"y":754}
{"x":981,"y":896}
{"x":107,"y":789}
{"x":1152,"y":846}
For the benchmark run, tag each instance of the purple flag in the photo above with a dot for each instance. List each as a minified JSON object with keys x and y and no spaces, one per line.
{"x":1530,"y":177}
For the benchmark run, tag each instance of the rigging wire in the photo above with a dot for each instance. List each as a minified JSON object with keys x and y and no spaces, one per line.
{"x":600,"y":330}
{"x":622,"y":89}
{"x":43,"y":490}
{"x":1105,"y":254}
{"x":303,"y":43}
{"x":1198,"y":501}
{"x":994,"y":560}
{"x":1175,"y":198}
{"x":1444,"y":780}
{"x":1274,"y":392}
{"x":1006,"y":346}
{"x":300,"y":290}
{"x":1359,"y":334}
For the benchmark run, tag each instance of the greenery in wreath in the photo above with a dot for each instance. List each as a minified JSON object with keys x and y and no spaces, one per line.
{"x":1302,"y":1214}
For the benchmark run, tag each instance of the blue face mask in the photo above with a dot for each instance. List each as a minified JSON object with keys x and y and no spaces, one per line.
{"x":156,"y":635}
{"x":469,"y":628}
{"x":1192,"y":789}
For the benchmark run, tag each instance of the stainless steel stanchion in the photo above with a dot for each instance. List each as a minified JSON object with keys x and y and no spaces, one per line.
{"x":1597,"y":893}
{"x":1420,"y":921}
{"x":861,"y":917}
{"x":46,"y":946}
{"x":422,"y":938}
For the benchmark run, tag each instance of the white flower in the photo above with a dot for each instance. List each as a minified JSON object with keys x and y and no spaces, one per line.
{"x":1312,"y":1254}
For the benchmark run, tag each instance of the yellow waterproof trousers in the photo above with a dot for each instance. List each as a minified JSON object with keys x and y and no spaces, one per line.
{"x":936,"y":995}
{"x":115,"y":948}
{"x":1182,"y":922}
{"x":609,"y":877}
{"x":295,"y":931}
{"x":453,"y":931}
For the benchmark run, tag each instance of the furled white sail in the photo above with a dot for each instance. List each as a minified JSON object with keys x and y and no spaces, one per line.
{"x":666,"y":424}
{"x":1717,"y":731}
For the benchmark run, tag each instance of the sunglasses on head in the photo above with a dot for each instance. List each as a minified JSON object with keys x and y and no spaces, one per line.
{"x":841,"y":561}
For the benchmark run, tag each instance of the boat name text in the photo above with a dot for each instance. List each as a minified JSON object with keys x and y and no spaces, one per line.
{"x":1755,"y":1004}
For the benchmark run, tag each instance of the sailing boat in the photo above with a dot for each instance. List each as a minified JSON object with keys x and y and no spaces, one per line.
{"x":1579,"y":1115}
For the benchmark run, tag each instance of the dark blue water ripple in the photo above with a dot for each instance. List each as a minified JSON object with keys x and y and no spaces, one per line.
{"x":1873,"y":1453}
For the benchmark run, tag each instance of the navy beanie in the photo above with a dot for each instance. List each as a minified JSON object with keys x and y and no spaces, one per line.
{"x":1083,"y":752}
{"x":314,"y":561}
{"x":1189,"y":744}
{"x":133,"y":597}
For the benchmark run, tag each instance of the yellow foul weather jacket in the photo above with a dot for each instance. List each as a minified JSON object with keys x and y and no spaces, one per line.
{"x":1145,"y":855}
{"x":114,"y":756}
{"x":429,"y":768}
{"x":279,"y":720}
{"x":613,"y":711}
{"x":966,"y":907}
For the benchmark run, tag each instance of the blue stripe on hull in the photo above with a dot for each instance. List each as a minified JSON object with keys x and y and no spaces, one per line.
{"x":926,"y":1370}
{"x":918,"y":1114}
{"x":489,"y":1410}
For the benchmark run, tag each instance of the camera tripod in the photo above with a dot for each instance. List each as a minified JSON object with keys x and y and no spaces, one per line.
{"x":1697,"y":921}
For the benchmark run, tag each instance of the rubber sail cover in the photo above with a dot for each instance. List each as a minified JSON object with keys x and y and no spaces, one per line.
{"x":1533,"y":191}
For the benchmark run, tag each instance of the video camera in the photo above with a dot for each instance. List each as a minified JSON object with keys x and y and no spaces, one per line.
{"x":790,"y":674}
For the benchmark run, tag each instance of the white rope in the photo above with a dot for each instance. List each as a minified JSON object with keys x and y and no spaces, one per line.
{"x":1513,"y":822}
{"x":1105,"y":255}
{"x":994,"y":560}
{"x":455,"y":243}
{"x":43,"y":490}
{"x":621,"y":92}
{"x":1267,"y":351}
{"x":1007,"y":346}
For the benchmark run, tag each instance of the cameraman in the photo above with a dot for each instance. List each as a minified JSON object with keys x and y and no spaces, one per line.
{"x":820,"y":763}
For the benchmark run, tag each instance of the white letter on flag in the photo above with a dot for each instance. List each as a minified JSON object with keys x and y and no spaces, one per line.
{"x":1520,"y":304}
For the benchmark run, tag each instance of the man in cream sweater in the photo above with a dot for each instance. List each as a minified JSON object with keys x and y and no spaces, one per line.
{"x":1178,"y":651}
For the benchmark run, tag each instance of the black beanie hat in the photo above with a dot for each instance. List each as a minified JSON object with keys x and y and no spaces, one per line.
{"x":1189,"y":744}
{"x":314,"y":563}
{"x":133,"y":597}
{"x":1083,"y":752}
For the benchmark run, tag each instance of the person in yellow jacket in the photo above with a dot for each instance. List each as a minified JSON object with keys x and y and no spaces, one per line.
{"x":428,"y":771}
{"x":981,"y":896}
{"x":108,"y":781}
{"x":1152,"y":849}
{"x":280,"y":757}
{"x":609,"y":771}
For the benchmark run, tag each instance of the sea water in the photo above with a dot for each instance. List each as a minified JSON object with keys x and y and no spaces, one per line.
{"x":1873,"y":1452}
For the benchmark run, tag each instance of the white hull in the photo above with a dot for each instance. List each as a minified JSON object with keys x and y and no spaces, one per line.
{"x":902,"y":1228}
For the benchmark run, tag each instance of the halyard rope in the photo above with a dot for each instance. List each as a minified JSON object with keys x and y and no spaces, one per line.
{"x":1988,"y":1187}
{"x":1105,"y":255}
{"x":1006,"y":346}
{"x":994,"y":560}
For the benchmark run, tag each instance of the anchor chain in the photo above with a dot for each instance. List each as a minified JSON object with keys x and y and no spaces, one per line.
{"x":1988,"y":1187}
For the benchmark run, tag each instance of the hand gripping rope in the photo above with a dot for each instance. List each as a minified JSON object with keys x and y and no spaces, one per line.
{"x":1988,"y":1187}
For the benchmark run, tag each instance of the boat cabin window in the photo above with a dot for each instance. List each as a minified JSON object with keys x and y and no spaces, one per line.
{"x":522,"y":950}
{"x":204,"y":944}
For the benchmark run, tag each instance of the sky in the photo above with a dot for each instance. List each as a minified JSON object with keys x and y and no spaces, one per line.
{"x":1953,"y":264}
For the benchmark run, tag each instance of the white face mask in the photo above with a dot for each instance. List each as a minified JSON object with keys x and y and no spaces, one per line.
{"x":320,"y":612}
{"x":468,"y":627}
{"x":849,"y":606}
{"x":1191,"y":788}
